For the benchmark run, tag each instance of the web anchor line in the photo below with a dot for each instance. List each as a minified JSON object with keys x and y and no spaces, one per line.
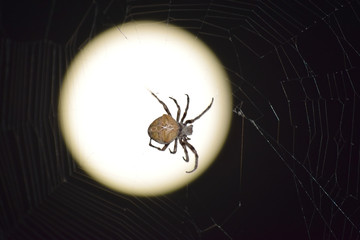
{"x":308,"y":173}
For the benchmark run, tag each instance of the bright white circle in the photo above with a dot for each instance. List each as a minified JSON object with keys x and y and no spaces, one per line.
{"x":106,"y":106}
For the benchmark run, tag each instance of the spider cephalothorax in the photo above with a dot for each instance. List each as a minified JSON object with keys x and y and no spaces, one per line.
{"x":166,"y":129}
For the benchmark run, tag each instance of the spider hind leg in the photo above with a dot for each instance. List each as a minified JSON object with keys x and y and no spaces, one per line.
{"x":162,"y":103}
{"x":175,"y":147}
{"x":160,"y":149}
{"x":178,"y":107}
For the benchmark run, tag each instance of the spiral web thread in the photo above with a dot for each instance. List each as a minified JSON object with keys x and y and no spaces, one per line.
{"x":294,"y":73}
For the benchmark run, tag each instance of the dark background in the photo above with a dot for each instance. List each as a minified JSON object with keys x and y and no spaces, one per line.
{"x":292,"y":178}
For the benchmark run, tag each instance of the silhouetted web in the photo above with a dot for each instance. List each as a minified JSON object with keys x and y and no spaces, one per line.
{"x":291,"y":166}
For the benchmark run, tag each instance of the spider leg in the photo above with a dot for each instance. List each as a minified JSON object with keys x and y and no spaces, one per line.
{"x":175,"y":147}
{"x":185,"y":144}
{"x":193,"y":120}
{"x":186,"y":109}
{"x":178,"y":107}
{"x":162,"y":103}
{"x":182,"y":143}
{"x":160,"y":149}
{"x":196,"y":155}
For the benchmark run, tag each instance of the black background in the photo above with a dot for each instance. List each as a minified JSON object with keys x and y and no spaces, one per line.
{"x":260,"y":186}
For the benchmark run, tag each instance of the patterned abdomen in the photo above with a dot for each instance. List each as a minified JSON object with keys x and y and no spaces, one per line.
{"x":163,"y":129}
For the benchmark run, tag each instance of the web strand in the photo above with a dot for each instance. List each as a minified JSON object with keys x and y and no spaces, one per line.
{"x":294,"y":72}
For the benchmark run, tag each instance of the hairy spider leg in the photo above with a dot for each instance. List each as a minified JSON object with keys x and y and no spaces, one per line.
{"x":186,"y":109}
{"x":175,"y":147}
{"x":161,"y":149}
{"x":178,"y":107}
{"x":196,"y":156}
{"x":184,"y":143}
{"x":184,"y":139}
{"x":193,"y":120}
{"x":162,"y":103}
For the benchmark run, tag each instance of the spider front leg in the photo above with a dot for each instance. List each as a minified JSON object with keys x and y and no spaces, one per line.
{"x":186,"y":159}
{"x":193,"y":120}
{"x":186,"y":109}
{"x":175,"y":147}
{"x":160,"y":149}
{"x":185,"y":144}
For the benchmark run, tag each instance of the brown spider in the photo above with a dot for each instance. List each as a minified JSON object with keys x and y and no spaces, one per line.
{"x":165,"y":130}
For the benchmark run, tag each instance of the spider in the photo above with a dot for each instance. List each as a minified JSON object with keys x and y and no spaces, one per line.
{"x":166,"y":129}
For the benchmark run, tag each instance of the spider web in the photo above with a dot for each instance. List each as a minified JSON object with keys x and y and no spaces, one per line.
{"x":290,"y":168}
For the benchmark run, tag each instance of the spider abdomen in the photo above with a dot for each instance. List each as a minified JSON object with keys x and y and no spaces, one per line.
{"x":164,"y":129}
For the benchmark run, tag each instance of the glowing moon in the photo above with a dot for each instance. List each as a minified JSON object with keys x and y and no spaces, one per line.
{"x":106,"y":107}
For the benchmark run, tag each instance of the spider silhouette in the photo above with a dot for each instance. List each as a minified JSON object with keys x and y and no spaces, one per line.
{"x":166,"y":129}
